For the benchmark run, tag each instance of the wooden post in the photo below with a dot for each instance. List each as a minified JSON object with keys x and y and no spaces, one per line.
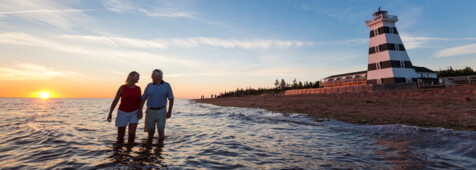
{"x":469,"y":80}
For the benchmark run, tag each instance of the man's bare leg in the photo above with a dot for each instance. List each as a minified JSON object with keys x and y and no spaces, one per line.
{"x":150,"y":137}
{"x":161,"y":136}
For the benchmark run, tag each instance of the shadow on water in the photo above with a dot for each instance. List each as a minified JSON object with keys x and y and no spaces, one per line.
{"x":138,"y":155}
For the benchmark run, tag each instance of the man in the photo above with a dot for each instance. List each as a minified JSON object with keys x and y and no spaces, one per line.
{"x":156,"y":94}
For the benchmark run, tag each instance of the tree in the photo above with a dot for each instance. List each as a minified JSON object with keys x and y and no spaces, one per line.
{"x":458,"y":72}
{"x":283,"y":84}
{"x":276,"y":83}
{"x":316,"y":85}
{"x":295,"y":84}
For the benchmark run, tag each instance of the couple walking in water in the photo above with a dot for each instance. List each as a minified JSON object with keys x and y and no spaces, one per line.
{"x":130,"y":109}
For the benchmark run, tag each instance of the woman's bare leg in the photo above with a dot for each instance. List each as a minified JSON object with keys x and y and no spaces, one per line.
{"x":132,"y":133}
{"x":121,"y":132}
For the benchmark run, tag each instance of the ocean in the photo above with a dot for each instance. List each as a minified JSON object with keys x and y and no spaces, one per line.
{"x":74,"y":133}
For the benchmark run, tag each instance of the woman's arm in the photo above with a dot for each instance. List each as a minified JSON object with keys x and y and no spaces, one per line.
{"x":114,"y":103}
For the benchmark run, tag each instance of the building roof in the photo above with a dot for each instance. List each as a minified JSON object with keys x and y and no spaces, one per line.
{"x":423,"y":69}
{"x":417,"y":69}
{"x":379,"y":12}
{"x":346,"y":74}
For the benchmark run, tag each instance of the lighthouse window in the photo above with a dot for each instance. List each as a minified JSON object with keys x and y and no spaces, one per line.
{"x":371,"y":50}
{"x":401,"y":47}
{"x":381,"y":30}
{"x":395,"y":64}
{"x":391,"y":46}
{"x":372,"y":66}
{"x":383,"y":47}
{"x":386,"y":29}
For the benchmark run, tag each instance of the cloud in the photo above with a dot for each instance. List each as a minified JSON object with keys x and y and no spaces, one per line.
{"x":92,"y":51}
{"x":413,"y":42}
{"x":346,"y":10}
{"x":247,"y":44}
{"x":128,"y":51}
{"x":409,"y":17}
{"x":159,"y":10}
{"x":186,"y":42}
{"x":167,"y":13}
{"x":456,"y":51}
{"x":28,"y":71}
{"x":118,"y":5}
{"x":118,"y":41}
{"x":344,"y":42}
{"x":44,"y":13}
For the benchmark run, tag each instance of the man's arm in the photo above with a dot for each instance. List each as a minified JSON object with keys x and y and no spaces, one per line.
{"x":171,"y":105}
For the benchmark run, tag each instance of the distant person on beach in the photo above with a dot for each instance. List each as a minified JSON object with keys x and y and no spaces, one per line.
{"x":156,"y":94}
{"x":128,"y":112}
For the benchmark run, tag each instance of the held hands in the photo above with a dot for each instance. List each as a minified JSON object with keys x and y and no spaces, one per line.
{"x":169,"y":114}
{"x":139,"y":114}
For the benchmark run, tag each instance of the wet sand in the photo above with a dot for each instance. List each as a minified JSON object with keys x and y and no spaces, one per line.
{"x":453,"y":107}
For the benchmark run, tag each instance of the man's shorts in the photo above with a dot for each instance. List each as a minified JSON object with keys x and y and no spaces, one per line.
{"x":126,"y":117}
{"x":155,"y":117}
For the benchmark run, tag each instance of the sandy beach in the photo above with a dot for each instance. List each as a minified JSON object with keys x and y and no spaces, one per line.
{"x":453,"y":107}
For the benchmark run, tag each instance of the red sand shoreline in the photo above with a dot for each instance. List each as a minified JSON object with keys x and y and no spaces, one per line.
{"x":453,"y":108}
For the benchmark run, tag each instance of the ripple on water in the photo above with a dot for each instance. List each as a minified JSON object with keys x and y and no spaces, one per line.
{"x":73,"y":133}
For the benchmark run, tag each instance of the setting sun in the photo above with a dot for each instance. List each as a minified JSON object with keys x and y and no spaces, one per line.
{"x":44,"y":95}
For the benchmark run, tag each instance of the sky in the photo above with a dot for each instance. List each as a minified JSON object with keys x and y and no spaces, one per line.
{"x":86,"y":48}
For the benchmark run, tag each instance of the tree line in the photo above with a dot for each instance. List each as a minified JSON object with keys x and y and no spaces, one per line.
{"x":279,"y":87}
{"x":450,"y":72}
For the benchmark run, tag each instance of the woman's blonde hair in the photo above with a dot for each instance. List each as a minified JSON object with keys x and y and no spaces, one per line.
{"x":129,"y":77}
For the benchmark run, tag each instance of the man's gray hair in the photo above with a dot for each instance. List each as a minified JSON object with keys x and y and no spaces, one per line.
{"x":159,"y":73}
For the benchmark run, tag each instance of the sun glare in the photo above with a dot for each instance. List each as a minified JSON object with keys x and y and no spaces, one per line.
{"x":44,"y":95}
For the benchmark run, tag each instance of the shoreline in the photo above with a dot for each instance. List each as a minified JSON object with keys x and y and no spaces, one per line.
{"x":452,"y":107}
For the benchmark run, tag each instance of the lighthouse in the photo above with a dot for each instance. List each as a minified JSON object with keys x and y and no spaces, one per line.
{"x":388,"y":61}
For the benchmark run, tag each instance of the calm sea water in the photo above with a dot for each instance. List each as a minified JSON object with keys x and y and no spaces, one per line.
{"x":74,"y":133}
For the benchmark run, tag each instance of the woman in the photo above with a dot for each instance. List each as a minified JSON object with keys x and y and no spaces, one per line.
{"x":130,"y":95}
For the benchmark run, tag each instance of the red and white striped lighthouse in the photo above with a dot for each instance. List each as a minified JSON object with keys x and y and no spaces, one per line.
{"x":388,"y":60}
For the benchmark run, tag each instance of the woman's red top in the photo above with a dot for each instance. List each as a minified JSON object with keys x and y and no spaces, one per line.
{"x":130,"y":98}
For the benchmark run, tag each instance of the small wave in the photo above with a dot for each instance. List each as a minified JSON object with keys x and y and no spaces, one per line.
{"x":84,"y":129}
